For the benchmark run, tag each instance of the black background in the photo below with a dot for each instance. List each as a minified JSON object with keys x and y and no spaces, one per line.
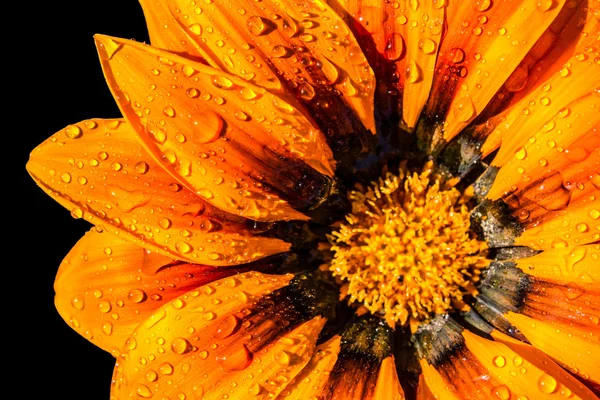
{"x":58,"y":81}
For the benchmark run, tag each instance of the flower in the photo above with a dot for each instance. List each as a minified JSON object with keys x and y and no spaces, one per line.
{"x":344,"y":200}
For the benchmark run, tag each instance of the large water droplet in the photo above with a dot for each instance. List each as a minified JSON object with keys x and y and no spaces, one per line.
{"x":547,"y":384}
{"x":256,"y":25}
{"x":236,"y":359}
{"x":181,"y":346}
{"x":207,"y":127}
{"x":394,"y":48}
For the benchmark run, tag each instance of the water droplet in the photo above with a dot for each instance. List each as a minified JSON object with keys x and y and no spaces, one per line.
{"x":169,"y":111}
{"x":544,"y":5}
{"x":104,"y":306}
{"x":236,"y":359}
{"x":141,"y":167}
{"x":178,"y":303}
{"x":280,"y":51}
{"x":307,"y":38}
{"x":482,"y":5}
{"x":73,"y":132}
{"x":255,"y":389}
{"x":137,"y":295}
{"x":151,"y":376}
{"x":196,"y":29}
{"x":130,"y":343}
{"x":501,"y":392}
{"x":227,"y":327}
{"x":572,"y":291}
{"x":306,"y":91}
{"x":256,"y":25}
{"x":143,"y":391}
{"x":499,"y":361}
{"x":209,"y":316}
{"x":547,"y":384}
{"x":165,"y":369}
{"x":427,"y":46}
{"x":107,"y":328}
{"x":192,"y":93}
{"x":207,"y":127}
{"x":290,"y":27}
{"x":517,"y":361}
{"x":521,"y":153}
{"x":413,"y":72}
{"x":181,"y":346}
{"x":394,"y":48}
{"x":65,"y":177}
{"x":222,"y":82}
{"x":465,"y":109}
{"x":283,"y":358}
{"x":77,"y":302}
{"x":183,"y":247}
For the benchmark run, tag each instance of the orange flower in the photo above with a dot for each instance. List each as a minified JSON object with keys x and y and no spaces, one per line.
{"x":341,"y":200}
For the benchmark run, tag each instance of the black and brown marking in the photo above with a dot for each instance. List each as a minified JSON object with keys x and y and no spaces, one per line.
{"x":493,"y":222}
{"x":366,"y":342}
{"x":262,"y":323}
{"x":505,"y":287}
{"x":441,"y":344}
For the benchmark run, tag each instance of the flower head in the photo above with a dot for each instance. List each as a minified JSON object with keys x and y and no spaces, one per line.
{"x":341,"y":200}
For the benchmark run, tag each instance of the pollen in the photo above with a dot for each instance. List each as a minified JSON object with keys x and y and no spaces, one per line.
{"x":406,"y":252}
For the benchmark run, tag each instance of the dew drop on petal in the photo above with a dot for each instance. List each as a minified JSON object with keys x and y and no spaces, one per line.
{"x":181,"y":346}
{"x":547,"y":384}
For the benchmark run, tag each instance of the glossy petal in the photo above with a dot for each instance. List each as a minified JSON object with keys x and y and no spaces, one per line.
{"x":99,"y":171}
{"x":566,"y":73}
{"x":278,"y":44}
{"x":165,"y":32}
{"x":502,"y":369}
{"x":236,"y":145}
{"x":388,"y":386}
{"x":555,"y":175}
{"x":404,"y":36}
{"x":523,"y":370}
{"x":485,"y":42}
{"x":423,"y":391}
{"x":573,"y":346}
{"x":576,"y":267}
{"x":309,"y":383}
{"x":568,"y":143}
{"x":106,"y":286}
{"x":214,"y":345}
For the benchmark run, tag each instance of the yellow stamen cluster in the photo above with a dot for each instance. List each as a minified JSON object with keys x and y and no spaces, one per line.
{"x":406,"y":250}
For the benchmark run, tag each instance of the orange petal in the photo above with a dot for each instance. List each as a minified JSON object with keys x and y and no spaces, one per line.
{"x":423,"y":391}
{"x":564,"y":74}
{"x":106,"y":286}
{"x":555,"y":175}
{"x":237,"y":145}
{"x":309,"y":383}
{"x":568,"y":143}
{"x":219,"y":344}
{"x":166,"y":33}
{"x":99,"y":171}
{"x":388,"y":386}
{"x":577,"y":267}
{"x":575,"y":349}
{"x":436,"y":384}
{"x":485,"y":42}
{"x":567,"y":218}
{"x":277,"y":43}
{"x":522,"y":370}
{"x":473,"y":367}
{"x":403,"y":36}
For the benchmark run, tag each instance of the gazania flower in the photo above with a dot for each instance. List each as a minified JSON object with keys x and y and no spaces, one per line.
{"x":343,"y":200}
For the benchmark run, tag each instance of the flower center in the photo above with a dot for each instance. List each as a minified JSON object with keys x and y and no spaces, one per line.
{"x":406,"y":252}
